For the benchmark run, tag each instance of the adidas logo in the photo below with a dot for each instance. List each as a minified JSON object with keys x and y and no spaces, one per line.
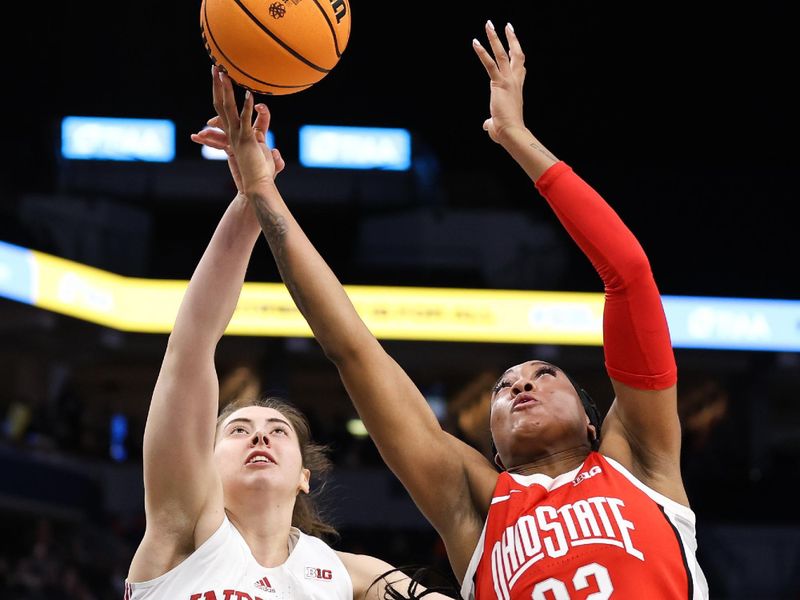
{"x":264,"y":585}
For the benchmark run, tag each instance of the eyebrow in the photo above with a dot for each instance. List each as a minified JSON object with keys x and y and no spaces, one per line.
{"x":250,"y":421}
{"x":496,"y":383}
{"x":533,"y":362}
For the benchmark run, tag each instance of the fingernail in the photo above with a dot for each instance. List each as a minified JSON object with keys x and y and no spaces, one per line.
{"x":221,"y":76}
{"x":247,"y":95}
{"x":490,"y":24}
{"x":510,"y":27}
{"x":475,"y":42}
{"x":212,"y":70}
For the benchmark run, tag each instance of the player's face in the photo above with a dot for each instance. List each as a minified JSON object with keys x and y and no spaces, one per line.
{"x":535,"y":411}
{"x":257,"y":449}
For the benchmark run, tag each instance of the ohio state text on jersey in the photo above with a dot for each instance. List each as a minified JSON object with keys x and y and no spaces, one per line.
{"x":591,"y":533}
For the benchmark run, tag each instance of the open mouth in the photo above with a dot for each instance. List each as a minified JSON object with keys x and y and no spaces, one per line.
{"x":524,"y":400}
{"x":260,"y":458}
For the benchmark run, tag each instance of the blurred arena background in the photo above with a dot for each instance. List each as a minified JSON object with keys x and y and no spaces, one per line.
{"x":683,"y":116}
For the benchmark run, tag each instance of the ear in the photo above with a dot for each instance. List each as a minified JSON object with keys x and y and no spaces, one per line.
{"x":304,"y":483}
{"x":499,"y":462}
{"x":592,"y":430}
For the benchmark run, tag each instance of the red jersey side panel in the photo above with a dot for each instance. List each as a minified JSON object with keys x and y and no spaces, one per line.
{"x":590,"y":534}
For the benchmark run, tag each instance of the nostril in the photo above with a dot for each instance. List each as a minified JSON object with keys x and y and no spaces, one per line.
{"x":528,"y":387}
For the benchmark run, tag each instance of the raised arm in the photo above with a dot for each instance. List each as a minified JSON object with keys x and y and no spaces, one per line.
{"x":429,"y":462}
{"x":642,"y":429}
{"x":183,"y":494}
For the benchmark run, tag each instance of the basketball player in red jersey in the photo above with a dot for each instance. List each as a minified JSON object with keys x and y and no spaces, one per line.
{"x":574,"y":514}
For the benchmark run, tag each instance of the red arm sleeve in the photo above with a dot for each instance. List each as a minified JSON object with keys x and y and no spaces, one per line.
{"x":636,"y":342}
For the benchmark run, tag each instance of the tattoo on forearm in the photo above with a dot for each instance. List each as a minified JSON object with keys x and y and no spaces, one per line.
{"x":543,"y":150}
{"x":274,"y":226}
{"x":272,"y":223}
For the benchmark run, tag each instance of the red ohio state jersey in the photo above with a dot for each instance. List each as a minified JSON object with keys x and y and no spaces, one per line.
{"x":594,"y":533}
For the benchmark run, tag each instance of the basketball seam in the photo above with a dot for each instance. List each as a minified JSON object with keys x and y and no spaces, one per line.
{"x":283,"y":44}
{"x":330,"y":26}
{"x":207,"y":28}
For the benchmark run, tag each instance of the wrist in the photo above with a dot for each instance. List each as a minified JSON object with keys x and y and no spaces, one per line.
{"x":243,"y":208}
{"x":262,"y":187}
{"x":514,"y":135}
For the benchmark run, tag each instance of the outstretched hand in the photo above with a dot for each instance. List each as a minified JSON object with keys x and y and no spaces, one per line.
{"x":506,"y":78}
{"x":242,"y":138}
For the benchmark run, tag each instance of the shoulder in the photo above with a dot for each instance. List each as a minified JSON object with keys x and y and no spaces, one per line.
{"x":309,"y":545}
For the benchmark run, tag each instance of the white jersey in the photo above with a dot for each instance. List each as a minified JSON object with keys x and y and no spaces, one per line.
{"x":223,"y":568}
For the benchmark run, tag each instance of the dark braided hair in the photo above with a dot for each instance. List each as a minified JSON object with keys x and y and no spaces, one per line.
{"x":591,"y":410}
{"x":447,"y":585}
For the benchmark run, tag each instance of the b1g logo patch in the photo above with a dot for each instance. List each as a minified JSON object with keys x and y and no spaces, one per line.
{"x":321,"y":574}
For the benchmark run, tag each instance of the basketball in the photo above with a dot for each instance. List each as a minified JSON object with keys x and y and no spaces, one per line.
{"x":275,"y":46}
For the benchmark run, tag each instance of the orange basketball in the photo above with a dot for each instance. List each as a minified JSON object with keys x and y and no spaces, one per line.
{"x":275,"y":46}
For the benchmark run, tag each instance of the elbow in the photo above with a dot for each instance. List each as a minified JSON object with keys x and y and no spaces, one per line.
{"x":637,"y":268}
{"x":343,"y":352}
{"x":631,"y":271}
{"x":333,"y":353}
{"x":182,"y":343}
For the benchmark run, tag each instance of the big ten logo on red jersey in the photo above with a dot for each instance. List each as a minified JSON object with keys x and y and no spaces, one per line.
{"x":595,"y":470}
{"x":315,"y":573}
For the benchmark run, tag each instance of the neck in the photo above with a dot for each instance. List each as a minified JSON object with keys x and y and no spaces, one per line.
{"x":553,"y":464}
{"x":264,"y":524}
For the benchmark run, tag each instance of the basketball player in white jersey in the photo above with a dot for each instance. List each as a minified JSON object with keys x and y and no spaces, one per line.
{"x":226,"y":497}
{"x":574,"y":515}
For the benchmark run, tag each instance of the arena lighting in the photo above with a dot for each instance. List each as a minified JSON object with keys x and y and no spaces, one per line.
{"x":106,"y":138}
{"x":356,"y":428}
{"x":16,"y":273}
{"x":214,"y":154}
{"x":401,"y":313}
{"x":118,"y":432}
{"x":355,"y":147}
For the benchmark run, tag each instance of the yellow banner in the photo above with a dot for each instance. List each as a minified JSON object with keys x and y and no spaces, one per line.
{"x":266,"y":309}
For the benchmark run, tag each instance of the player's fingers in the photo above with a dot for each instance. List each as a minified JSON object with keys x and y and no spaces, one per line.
{"x":214,"y":138}
{"x":246,"y":116}
{"x":200,"y":138}
{"x":215,"y":122}
{"x":500,"y":54}
{"x":486,"y":59}
{"x":279,"y":162}
{"x":514,"y":49}
{"x":261,"y":124}
{"x":210,"y":142}
{"x":216,"y":93}
{"x":229,"y":112}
